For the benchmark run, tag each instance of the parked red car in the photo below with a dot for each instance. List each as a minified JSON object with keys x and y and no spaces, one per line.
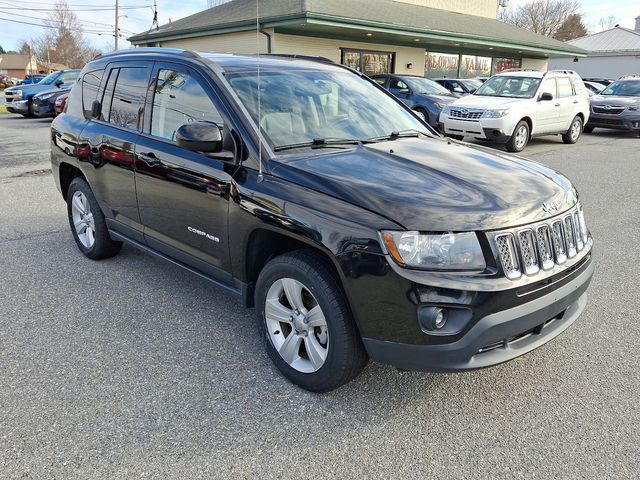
{"x":61,"y":102}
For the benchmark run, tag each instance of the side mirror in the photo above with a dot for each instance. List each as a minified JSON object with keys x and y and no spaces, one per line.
{"x":205,"y":137}
{"x":404,"y":91}
{"x":458,"y":90}
{"x":545,"y":97}
{"x":59,"y":83}
{"x":96,"y":109}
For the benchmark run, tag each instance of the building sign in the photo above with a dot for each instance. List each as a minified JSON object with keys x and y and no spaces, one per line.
{"x":441,"y":65}
{"x":502,"y":64}
{"x":475,"y":66}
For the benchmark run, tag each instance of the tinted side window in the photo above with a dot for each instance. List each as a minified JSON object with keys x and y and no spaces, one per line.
{"x":128,"y":97}
{"x":397,"y":84}
{"x":90,"y":85}
{"x":107,"y":96}
{"x":68,"y":77}
{"x":564,"y":87}
{"x":380,"y":80}
{"x":179,"y":99}
{"x":578,"y":86}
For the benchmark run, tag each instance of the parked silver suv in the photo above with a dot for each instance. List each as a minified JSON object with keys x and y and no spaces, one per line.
{"x":617,"y":106}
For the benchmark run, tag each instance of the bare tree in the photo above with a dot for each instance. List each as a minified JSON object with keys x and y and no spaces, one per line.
{"x":63,"y":41}
{"x":607,"y":23}
{"x":541,"y":16}
{"x":571,"y":28}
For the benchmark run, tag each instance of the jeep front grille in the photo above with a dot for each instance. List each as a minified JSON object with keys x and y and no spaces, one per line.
{"x":527,"y":250}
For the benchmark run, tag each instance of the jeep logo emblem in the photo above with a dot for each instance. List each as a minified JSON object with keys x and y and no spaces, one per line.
{"x":551,"y":207}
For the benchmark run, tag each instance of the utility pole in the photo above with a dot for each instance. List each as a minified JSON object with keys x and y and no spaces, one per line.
{"x":116,"y":32}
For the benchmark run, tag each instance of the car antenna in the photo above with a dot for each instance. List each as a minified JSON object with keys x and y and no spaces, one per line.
{"x":260,"y":176}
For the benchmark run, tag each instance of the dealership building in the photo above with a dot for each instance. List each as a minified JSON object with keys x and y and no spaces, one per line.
{"x":435,"y":38}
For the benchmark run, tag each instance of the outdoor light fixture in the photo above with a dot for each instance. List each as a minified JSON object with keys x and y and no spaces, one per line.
{"x":409,"y":66}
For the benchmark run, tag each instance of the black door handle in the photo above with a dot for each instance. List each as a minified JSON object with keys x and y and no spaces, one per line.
{"x":149,"y":158}
{"x":575,"y":101}
{"x":557,"y":105}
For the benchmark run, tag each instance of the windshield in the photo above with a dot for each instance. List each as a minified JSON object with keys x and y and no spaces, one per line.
{"x":509,"y":87}
{"x":305,"y":106}
{"x":424,"y":85}
{"x":624,"y":88}
{"x":471,"y":84}
{"x":49,"y":79}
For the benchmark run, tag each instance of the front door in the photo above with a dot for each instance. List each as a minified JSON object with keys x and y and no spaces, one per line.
{"x":183,"y":195}
{"x":547,"y":111}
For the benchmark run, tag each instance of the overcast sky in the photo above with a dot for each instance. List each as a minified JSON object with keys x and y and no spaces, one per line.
{"x":98,"y":24}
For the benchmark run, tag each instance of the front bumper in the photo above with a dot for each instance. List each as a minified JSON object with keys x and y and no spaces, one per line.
{"x":492,"y":130}
{"x":18,"y":106}
{"x":498,"y":337}
{"x":617,"y":122}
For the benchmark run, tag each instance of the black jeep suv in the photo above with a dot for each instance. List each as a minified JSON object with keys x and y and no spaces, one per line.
{"x":353,"y":228}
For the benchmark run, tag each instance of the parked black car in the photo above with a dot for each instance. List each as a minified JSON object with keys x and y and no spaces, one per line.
{"x":425,"y":97}
{"x":617,"y":106}
{"x":353,"y":228}
{"x":460,"y":86}
{"x":43,"y":104}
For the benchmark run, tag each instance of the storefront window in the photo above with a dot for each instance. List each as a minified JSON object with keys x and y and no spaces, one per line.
{"x":368,"y":62}
{"x":441,"y":65}
{"x":502,"y":64}
{"x":474,"y":66}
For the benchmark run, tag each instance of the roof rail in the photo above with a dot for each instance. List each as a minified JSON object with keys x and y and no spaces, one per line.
{"x":626,"y":77}
{"x":301,"y":57}
{"x":143,"y":50}
{"x":567,"y":72}
{"x":507,"y":70}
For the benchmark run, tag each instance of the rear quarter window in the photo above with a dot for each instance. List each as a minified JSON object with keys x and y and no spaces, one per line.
{"x":90,"y":85}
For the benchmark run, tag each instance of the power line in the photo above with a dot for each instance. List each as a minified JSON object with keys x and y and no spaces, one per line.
{"x":96,"y":32}
{"x":84,"y":23}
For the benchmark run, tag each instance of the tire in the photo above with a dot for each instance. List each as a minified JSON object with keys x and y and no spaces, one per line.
{"x":324,"y":353}
{"x":587,"y":129}
{"x":422,"y":113}
{"x":520,"y":137}
{"x":572,"y":135}
{"x":91,"y":235}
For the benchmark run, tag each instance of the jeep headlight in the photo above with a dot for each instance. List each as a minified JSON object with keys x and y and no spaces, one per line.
{"x":499,"y":113}
{"x":446,"y":110}
{"x":441,"y":251}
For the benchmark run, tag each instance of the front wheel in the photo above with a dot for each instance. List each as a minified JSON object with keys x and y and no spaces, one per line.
{"x":422,"y":114}
{"x":575,"y":130}
{"x":306,"y":323}
{"x":520,"y":137}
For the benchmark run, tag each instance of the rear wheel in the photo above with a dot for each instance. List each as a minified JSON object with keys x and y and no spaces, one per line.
{"x":587,"y":129}
{"x":520,"y":137}
{"x":87,"y":222}
{"x":575,"y":130}
{"x":306,"y":323}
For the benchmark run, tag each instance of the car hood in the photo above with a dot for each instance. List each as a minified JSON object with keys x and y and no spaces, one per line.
{"x":439,"y":98}
{"x":32,"y":89}
{"x":614,"y":100}
{"x":434,"y":184}
{"x":60,"y":90}
{"x":481,"y":101}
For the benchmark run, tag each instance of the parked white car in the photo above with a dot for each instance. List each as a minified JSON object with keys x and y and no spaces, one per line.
{"x":511,"y":107}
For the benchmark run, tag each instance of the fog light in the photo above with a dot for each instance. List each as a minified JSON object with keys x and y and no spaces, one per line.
{"x":433,"y":318}
{"x":440,"y":319}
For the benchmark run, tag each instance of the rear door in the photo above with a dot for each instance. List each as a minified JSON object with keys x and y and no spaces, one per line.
{"x":547,"y":111}
{"x":111,"y":138}
{"x":183,"y":196}
{"x":568,"y":102}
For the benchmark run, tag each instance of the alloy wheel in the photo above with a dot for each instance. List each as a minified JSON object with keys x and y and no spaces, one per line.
{"x":83,"y":219}
{"x":296,"y":325}
{"x":521,"y":137}
{"x":575,"y":129}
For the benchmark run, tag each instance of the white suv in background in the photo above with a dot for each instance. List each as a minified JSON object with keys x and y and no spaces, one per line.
{"x":511,"y":107}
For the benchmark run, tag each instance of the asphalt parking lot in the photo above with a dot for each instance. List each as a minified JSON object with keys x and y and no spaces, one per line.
{"x":132,"y":368}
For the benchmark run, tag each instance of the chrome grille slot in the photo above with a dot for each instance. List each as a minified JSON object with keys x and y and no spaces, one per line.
{"x":570,"y":236}
{"x":578,"y":230}
{"x":543,"y":245}
{"x":508,"y":256}
{"x":543,"y":237}
{"x":466,"y":114}
{"x":557,"y":233}
{"x":528,"y":252}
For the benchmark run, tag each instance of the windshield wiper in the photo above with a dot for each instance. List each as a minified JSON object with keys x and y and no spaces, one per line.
{"x":409,"y":132}
{"x":321,"y":143}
